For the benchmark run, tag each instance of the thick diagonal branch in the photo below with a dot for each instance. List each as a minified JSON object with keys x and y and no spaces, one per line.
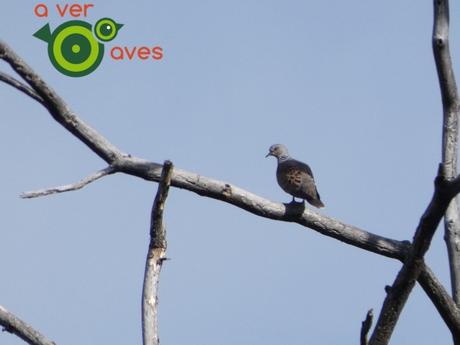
{"x":450,"y":105}
{"x":441,"y":300}
{"x":13,"y":324}
{"x":59,"y":109}
{"x":414,"y":264}
{"x":155,"y":258}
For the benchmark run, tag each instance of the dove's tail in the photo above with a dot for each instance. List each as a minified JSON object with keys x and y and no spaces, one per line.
{"x":316,"y":201}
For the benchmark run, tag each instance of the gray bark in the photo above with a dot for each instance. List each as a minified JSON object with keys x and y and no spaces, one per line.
{"x":15,"y":325}
{"x":450,"y":104}
{"x":155,"y":257}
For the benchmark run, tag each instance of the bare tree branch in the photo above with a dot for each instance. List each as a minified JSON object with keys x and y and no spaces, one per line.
{"x":441,"y":300}
{"x":69,"y":187}
{"x":450,"y":104}
{"x":366,"y":326}
{"x":257,"y":205}
{"x":21,"y":87}
{"x":399,"y":292}
{"x":220,"y":190}
{"x":194,"y":182}
{"x":18,"y":327}
{"x":59,"y":110}
{"x":155,"y":258}
{"x":452,"y":238}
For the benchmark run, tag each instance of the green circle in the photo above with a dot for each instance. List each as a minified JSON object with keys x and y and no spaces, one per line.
{"x":106,"y":29}
{"x":73,"y":50}
{"x":61,"y":54}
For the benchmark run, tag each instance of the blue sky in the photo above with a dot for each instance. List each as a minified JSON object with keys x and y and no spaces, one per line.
{"x":349,"y":87}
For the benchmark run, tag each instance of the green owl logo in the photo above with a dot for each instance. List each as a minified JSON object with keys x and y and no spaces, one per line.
{"x":73,"y":49}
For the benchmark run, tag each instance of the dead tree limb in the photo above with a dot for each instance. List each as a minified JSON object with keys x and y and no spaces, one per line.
{"x":155,"y":258}
{"x":14,"y":325}
{"x":450,"y":105}
{"x":413,"y":265}
{"x":441,"y":300}
{"x":398,"y":294}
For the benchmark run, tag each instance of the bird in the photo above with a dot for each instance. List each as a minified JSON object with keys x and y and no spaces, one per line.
{"x":295,"y":177}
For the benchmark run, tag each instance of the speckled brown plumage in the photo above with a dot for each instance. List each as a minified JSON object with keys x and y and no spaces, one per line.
{"x":295,"y":177}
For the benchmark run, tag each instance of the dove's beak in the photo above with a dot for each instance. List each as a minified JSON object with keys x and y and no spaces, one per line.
{"x":268,"y":154}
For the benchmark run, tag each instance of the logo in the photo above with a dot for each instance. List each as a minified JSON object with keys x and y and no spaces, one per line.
{"x":75,"y":48}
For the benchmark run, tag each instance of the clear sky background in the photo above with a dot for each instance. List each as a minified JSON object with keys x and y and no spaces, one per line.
{"x":350,"y":88}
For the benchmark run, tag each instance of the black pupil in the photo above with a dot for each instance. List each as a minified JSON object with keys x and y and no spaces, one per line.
{"x":106,"y":29}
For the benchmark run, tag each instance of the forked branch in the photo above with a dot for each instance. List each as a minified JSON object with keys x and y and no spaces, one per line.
{"x":399,"y":292}
{"x":444,"y":201}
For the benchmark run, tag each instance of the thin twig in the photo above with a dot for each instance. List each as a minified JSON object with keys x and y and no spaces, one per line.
{"x":69,"y":187}
{"x":450,"y":105}
{"x":398,"y":293}
{"x":366,"y":326}
{"x":14,"y":325}
{"x":21,"y":87}
{"x":155,"y":258}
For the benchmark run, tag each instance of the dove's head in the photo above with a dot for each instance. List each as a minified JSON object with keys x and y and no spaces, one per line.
{"x":279,"y":151}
